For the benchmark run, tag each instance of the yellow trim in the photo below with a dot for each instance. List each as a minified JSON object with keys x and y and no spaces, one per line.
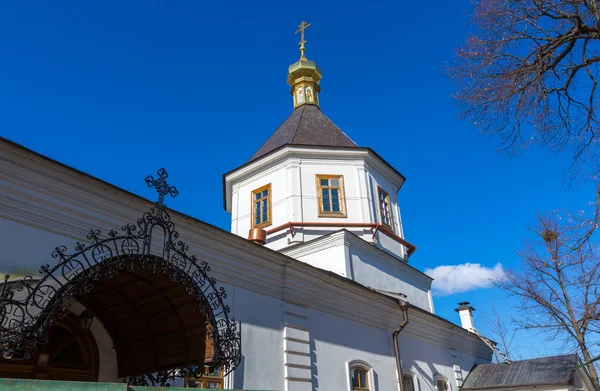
{"x":206,"y":378}
{"x":406,"y":379}
{"x":444,"y":382}
{"x":342,"y":196}
{"x":203,"y":382}
{"x":361,"y":387}
{"x":389,"y":205}
{"x":254,"y":201}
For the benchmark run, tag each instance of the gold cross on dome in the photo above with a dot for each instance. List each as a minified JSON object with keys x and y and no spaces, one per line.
{"x":303,"y":26}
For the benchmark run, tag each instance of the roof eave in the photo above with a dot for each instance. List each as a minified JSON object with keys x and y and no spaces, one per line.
{"x":252,"y":161}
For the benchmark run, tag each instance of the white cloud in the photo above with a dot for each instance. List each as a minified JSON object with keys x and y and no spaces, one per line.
{"x":450,"y":279}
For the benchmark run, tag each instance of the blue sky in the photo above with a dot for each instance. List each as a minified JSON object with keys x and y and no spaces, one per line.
{"x":120,"y":89}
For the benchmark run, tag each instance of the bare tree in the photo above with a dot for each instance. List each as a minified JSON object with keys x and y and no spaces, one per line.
{"x":529,"y":74}
{"x":558,"y":288}
{"x":503,"y":332}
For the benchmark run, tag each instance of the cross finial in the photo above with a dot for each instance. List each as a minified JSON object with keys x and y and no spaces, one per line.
{"x":161,"y":185}
{"x":303,"y":26}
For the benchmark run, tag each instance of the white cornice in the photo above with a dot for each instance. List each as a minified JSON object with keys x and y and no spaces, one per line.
{"x":297,"y":154}
{"x":347,"y":238}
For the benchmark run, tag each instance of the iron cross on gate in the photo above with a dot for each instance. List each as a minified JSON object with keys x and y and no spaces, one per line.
{"x":161,"y":185}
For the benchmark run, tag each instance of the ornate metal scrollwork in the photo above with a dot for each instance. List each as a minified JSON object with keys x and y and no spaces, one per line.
{"x":29,"y":307}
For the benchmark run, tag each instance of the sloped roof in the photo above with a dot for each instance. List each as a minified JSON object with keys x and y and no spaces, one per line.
{"x":556,"y":370}
{"x":307,"y":125}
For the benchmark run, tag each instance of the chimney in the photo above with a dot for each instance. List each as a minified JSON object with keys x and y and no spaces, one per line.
{"x":465,"y":311}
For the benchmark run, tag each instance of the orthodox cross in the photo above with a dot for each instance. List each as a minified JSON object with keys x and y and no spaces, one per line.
{"x":303,"y":26}
{"x":161,"y":185}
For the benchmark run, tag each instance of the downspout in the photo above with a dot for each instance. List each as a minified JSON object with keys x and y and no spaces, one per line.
{"x":404,"y":308}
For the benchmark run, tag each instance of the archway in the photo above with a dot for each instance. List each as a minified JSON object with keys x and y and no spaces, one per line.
{"x":165,"y":314}
{"x":70,"y":354}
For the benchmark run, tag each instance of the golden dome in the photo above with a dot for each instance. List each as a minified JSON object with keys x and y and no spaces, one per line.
{"x":304,"y":77}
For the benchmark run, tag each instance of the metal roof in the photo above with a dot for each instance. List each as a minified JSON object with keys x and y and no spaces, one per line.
{"x":307,"y":125}
{"x":556,"y":370}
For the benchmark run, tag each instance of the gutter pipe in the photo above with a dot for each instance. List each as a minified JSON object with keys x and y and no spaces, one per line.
{"x":404,"y":308}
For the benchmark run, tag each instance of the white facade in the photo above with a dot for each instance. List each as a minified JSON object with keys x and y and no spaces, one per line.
{"x":301,"y":326}
{"x":352,"y":257}
{"x":292,"y":172}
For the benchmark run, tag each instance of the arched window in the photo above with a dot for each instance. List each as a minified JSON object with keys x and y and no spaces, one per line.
{"x":360,"y":376}
{"x":70,"y":354}
{"x":441,"y":383}
{"x":408,"y":380}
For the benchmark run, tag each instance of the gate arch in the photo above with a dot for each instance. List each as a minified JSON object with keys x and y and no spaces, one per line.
{"x":149,"y":248}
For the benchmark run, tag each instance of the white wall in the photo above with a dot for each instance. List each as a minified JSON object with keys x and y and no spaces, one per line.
{"x":390,"y":275}
{"x":241,"y":217}
{"x":294,"y":197}
{"x":428,"y":360}
{"x":331,"y":258}
{"x":349,"y":256}
{"x":262,"y":340}
{"x":334,"y":342}
{"x":108,"y":370}
{"x":26,"y":248}
{"x":55,"y":205}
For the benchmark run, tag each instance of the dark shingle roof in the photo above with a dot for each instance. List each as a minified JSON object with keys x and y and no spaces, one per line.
{"x":557,"y":370}
{"x":307,"y":125}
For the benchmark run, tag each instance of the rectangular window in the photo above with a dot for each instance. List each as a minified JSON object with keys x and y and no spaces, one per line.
{"x":385,"y":208}
{"x":212,"y":381}
{"x":261,"y":207}
{"x":330,"y":193}
{"x":360,"y":379}
{"x":409,"y":385}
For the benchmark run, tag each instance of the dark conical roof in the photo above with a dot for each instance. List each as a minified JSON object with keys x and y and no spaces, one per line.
{"x":307,"y":125}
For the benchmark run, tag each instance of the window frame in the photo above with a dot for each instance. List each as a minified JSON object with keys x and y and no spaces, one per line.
{"x":441,"y":378}
{"x":359,"y":364}
{"x":253,"y":203}
{"x":408,"y":374}
{"x":342,"y":195}
{"x":206,"y":378}
{"x":388,"y":202}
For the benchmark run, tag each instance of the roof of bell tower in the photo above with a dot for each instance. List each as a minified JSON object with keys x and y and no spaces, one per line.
{"x":307,"y":125}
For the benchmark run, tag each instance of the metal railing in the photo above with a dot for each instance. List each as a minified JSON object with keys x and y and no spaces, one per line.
{"x":374,"y":227}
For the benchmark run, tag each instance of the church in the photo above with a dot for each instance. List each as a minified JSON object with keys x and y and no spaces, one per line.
{"x":312,"y":289}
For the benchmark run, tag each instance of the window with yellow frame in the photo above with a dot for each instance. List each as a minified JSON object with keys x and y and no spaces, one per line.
{"x":212,"y":381}
{"x":385,"y":208}
{"x":408,"y":381}
{"x":360,"y":379}
{"x":442,"y":384}
{"x":261,"y":207}
{"x":330,"y":194}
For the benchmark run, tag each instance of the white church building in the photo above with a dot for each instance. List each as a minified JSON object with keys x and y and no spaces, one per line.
{"x":312,"y":289}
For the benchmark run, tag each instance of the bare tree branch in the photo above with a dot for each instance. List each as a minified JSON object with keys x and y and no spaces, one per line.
{"x":558,"y":289}
{"x":529,"y":74}
{"x":503,"y":333}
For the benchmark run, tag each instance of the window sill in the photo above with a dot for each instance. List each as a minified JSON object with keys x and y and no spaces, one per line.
{"x":388,"y":227}
{"x":262,"y":225}
{"x":333,"y":214}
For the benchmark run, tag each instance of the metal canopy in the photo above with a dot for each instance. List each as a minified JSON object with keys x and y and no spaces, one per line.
{"x":165,"y":314}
